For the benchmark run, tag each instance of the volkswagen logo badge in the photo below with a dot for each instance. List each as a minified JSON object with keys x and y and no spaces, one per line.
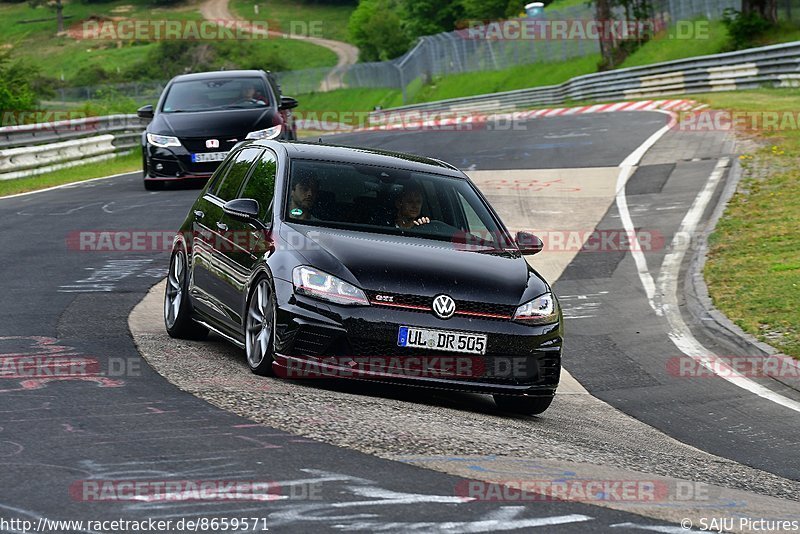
{"x":212,"y":143}
{"x":444,"y":307}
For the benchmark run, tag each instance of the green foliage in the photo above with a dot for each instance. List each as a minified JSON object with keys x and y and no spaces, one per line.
{"x":426,"y":17}
{"x":744,"y":28}
{"x":376,"y":28}
{"x":16,"y":93}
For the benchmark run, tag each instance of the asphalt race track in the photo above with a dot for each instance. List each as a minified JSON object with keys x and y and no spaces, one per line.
{"x":114,"y":418}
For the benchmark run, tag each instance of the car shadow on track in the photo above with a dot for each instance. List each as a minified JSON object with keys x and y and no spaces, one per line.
{"x":232,"y":360}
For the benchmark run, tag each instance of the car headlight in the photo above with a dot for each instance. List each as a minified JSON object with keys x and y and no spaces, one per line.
{"x":314,"y":283}
{"x":267,"y":133}
{"x":541,"y":310}
{"x":163,"y":141}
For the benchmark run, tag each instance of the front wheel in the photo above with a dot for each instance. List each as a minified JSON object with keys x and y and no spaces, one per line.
{"x":177,"y":308}
{"x":260,"y":328}
{"x":523,"y":404}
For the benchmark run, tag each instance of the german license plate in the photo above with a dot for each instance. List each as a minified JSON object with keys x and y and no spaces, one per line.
{"x":423,"y":338}
{"x":203,"y":157}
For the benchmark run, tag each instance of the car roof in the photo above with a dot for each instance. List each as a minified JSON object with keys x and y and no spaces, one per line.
{"x":211,"y":75}
{"x":364,"y":156}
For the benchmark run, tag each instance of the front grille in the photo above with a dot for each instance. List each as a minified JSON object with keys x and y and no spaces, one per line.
{"x":531,"y":369}
{"x":198,"y":144}
{"x":463,"y":307}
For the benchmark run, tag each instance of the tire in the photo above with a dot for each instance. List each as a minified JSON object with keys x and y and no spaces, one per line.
{"x":259,"y":333}
{"x":177,"y":308}
{"x":523,"y":404}
{"x":153,"y":185}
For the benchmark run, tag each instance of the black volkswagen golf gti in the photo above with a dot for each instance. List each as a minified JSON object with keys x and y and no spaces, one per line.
{"x":328,"y":261}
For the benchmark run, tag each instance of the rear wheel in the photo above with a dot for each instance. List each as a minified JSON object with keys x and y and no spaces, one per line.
{"x":527,"y":405}
{"x":260,"y":328}
{"x":177,"y":308}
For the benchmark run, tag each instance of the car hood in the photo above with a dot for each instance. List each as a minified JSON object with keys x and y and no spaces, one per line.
{"x":233,"y":122}
{"x":415,"y":266}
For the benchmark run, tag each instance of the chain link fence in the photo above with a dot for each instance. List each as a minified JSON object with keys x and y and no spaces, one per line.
{"x":463,"y":51}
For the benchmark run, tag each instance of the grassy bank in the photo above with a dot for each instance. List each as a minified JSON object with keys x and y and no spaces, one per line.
{"x":64,"y":56}
{"x":117,"y":165}
{"x":297,"y":16}
{"x":753,"y":269}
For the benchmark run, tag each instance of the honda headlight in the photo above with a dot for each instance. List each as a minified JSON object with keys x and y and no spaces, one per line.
{"x":541,"y":310}
{"x":162,"y":141}
{"x":267,"y":133}
{"x":313,"y":283}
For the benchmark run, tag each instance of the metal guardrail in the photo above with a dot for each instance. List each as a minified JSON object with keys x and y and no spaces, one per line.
{"x":30,"y":149}
{"x":775,"y":65}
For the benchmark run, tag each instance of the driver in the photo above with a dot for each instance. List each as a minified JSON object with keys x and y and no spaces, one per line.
{"x":409,"y":207}
{"x":303,"y":196}
{"x":250,"y":92}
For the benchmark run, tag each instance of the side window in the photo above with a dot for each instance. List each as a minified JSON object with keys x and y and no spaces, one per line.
{"x":238,"y":170}
{"x":476,"y":225}
{"x":261,"y":184}
{"x":218,"y":176}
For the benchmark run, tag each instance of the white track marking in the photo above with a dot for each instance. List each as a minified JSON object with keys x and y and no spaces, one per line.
{"x":667,"y":299}
{"x":651,"y":528}
{"x":667,"y":306}
{"x":625,"y":171}
{"x":64,"y":186}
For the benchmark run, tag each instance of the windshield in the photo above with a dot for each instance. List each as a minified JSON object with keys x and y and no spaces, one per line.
{"x":390,"y":201}
{"x":219,"y":93}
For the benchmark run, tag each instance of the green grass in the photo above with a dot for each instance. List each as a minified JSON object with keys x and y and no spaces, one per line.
{"x":347,"y":100}
{"x":318,"y":20}
{"x":753,"y":268}
{"x":707,"y":38}
{"x":564,"y":4}
{"x":64,"y":56}
{"x":117,"y":165}
{"x":520,"y":77}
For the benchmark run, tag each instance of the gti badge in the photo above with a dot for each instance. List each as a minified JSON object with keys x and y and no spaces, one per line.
{"x":443,"y":307}
{"x":212,"y":143}
{"x":384,"y":298}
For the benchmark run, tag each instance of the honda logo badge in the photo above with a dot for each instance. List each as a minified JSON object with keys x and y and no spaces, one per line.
{"x":212,"y":143}
{"x":443,"y":307}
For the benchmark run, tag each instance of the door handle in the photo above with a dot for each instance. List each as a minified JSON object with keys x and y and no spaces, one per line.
{"x":199,"y":214}
{"x":222,"y":226}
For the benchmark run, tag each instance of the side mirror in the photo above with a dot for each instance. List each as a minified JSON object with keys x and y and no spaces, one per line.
{"x":145,"y":112}
{"x":242,"y":208}
{"x":529,"y":243}
{"x":287,"y":102}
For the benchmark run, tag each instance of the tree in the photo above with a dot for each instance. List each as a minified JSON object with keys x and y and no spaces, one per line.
{"x":15,"y":89}
{"x":55,"y":5}
{"x":765,"y":9}
{"x":604,"y":26}
{"x":376,"y":28}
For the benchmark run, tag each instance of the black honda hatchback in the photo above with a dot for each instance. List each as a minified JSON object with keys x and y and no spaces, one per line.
{"x":200,"y":117}
{"x":327,"y":261}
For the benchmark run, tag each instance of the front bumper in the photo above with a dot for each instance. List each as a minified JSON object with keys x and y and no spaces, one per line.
{"x":175,"y":163}
{"x":320,"y":340}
